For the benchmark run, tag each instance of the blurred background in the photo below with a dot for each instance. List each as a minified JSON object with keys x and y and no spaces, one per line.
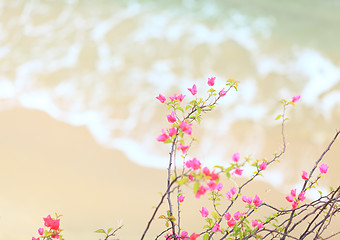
{"x":79,"y":118}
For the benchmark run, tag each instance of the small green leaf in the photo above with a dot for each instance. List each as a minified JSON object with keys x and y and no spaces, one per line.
{"x":100,"y":231}
{"x":199,"y":110}
{"x":196,"y":187}
{"x":109,"y":230}
{"x":206,"y":237}
{"x":278,"y":117}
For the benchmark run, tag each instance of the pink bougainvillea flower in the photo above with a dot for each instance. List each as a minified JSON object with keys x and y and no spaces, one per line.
{"x":193,"y":164}
{"x":295,"y":98}
{"x":238,"y":171}
{"x":171,"y":117}
{"x":201,"y":191}
{"x":180,"y":97}
{"x":293,"y":192}
{"x":163,"y":137}
{"x":237,"y":215}
{"x":260,"y":225}
{"x":222,"y":92}
{"x":263,"y":165}
{"x":219,"y":186}
{"x":51,"y":223}
{"x":212,"y":185}
{"x":323,"y":168}
{"x":233,"y":190}
{"x":173,"y":98}
{"x":186,"y":127}
{"x":254,"y":223}
{"x":302,"y":196}
{"x":247,"y":199}
{"x":183,"y":148}
{"x":257,"y":201}
{"x":33,"y":238}
{"x":184,"y":234}
{"x":231,"y":222}
{"x":181,"y":198}
{"x":206,"y":171}
{"x":194,"y":236}
{"x":294,"y":204}
{"x":161,"y":98}
{"x":236,"y":157}
{"x":289,"y":198}
{"x":191,"y":178}
{"x":227,"y":216}
{"x":216,"y":228}
{"x":229,"y":195}
{"x":211,"y":81}
{"x":214,"y":176}
{"x":41,"y":231}
{"x":193,"y":90}
{"x":304,"y":175}
{"x":204,"y":212}
{"x":172,"y":131}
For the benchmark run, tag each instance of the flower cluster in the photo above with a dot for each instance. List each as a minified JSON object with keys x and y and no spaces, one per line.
{"x":53,"y":232}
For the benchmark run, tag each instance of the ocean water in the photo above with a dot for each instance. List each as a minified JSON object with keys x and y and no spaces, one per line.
{"x":100,"y":64}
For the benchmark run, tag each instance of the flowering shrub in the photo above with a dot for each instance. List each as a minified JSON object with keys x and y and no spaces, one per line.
{"x":222,"y":220}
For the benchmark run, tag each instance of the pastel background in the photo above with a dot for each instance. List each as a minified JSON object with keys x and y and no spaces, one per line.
{"x":79,"y":118}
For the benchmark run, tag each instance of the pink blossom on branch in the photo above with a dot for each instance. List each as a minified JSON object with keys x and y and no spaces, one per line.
{"x":41,"y":231}
{"x":180,"y":97}
{"x":181,"y":198}
{"x":289,"y":198}
{"x":227,"y":216}
{"x":183,"y":148}
{"x":186,"y":127}
{"x":236,"y":157}
{"x":263,"y":165}
{"x":257,"y":201}
{"x":302,"y":196}
{"x":238,"y":171}
{"x":247,"y":199}
{"x":51,"y":223}
{"x":171,"y":117}
{"x":231,"y":223}
{"x":233,"y":190}
{"x":201,"y":191}
{"x":219,"y":186}
{"x":296,"y":98}
{"x":194,"y":236}
{"x":172,"y":131}
{"x":304,"y":175}
{"x":323,"y":168}
{"x":222,"y":92}
{"x":163,"y":137}
{"x":293,"y":192}
{"x":193,"y":164}
{"x":204,"y":212}
{"x":211,"y":81}
{"x":254,"y":223}
{"x":193,"y":90}
{"x":161,"y":98}
{"x":216,"y":228}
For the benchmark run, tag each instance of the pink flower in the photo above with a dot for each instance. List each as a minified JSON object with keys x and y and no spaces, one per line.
{"x":304,"y":176}
{"x":294,"y":204}
{"x":172,"y":131}
{"x":231,"y":222}
{"x":186,"y":127}
{"x":263,"y":165}
{"x":228,"y":195}
{"x":227,"y":216}
{"x":41,"y":231}
{"x":171,"y":117}
{"x":295,"y":98}
{"x":184,"y":234}
{"x":204,"y":212}
{"x":293,"y":192}
{"x":183,"y":148}
{"x":289,"y":198}
{"x":201,"y":191}
{"x":50,"y":222}
{"x":219,"y":186}
{"x":214,"y":176}
{"x":323,"y":168}
{"x":237,"y":215}
{"x":222,"y":92}
{"x":180,"y":97}
{"x":33,"y":238}
{"x":194,"y":236}
{"x":247,"y":199}
{"x":302,"y":196}
{"x":193,"y":90}
{"x":163,"y":137}
{"x":191,"y":178}
{"x":181,"y":198}
{"x":212,"y":185}
{"x":161,"y":98}
{"x":257,"y":201}
{"x":236,"y":157}
{"x":211,"y":81}
{"x":216,"y":228}
{"x":233,"y":190}
{"x":255,"y":223}
{"x":260,"y":225}
{"x":238,"y":171}
{"x":193,"y":163}
{"x":206,"y":171}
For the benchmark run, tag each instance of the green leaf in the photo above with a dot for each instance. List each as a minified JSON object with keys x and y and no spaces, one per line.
{"x":196,"y":187}
{"x":109,"y":230}
{"x":199,"y":110}
{"x":181,"y":109}
{"x":100,"y":231}
{"x":206,"y":237}
{"x":278,"y":117}
{"x":215,"y":215}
